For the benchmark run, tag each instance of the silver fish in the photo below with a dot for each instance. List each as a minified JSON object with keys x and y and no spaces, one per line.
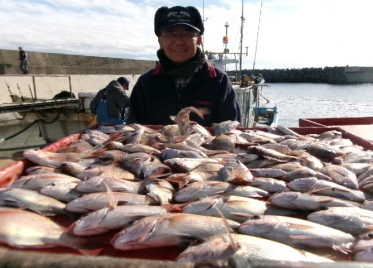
{"x":65,"y":192}
{"x":95,"y":201}
{"x":305,"y":201}
{"x":367,"y":173}
{"x":107,"y":219}
{"x":341,"y":175}
{"x":183,"y":121}
{"x":235,"y":172}
{"x":268,"y":172}
{"x":235,"y":208}
{"x":224,"y":127}
{"x":161,"y":190}
{"x":136,"y":148}
{"x":357,"y":168}
{"x":37,"y":181}
{"x":187,"y":164}
{"x":272,"y":154}
{"x":224,"y":142}
{"x":253,"y":249}
{"x":168,"y":230}
{"x":323,"y":150}
{"x":199,"y":189}
{"x":269,"y":185}
{"x":297,"y":232}
{"x":135,"y":162}
{"x":196,"y":190}
{"x":45,"y":158}
{"x":364,"y":242}
{"x":155,"y":169}
{"x":169,"y":153}
{"x":100,"y":183}
{"x":31,"y":200}
{"x":327,"y":188}
{"x":23,"y":229}
{"x":353,"y":220}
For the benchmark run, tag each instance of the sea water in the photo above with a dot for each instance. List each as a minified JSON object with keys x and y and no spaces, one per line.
{"x":305,"y":100}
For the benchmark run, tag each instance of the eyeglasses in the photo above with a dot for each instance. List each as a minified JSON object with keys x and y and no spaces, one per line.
{"x":182,"y":36}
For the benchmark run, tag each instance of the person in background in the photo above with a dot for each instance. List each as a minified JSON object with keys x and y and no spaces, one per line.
{"x":23,"y":60}
{"x":183,"y":78}
{"x":111,"y":102}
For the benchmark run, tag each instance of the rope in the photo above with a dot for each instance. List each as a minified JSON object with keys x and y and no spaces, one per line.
{"x":19,"y":132}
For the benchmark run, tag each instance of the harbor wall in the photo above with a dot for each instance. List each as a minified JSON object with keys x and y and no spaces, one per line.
{"x":51,"y":73}
{"x":54,"y":63}
{"x":47,"y":86}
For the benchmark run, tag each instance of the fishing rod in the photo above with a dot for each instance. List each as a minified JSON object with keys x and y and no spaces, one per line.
{"x":257,"y":34}
{"x":10,"y":92}
{"x":19,"y":89}
{"x":32,"y":96}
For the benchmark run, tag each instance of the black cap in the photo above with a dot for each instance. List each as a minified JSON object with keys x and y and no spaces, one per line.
{"x":168,"y":17}
{"x":122,"y":80}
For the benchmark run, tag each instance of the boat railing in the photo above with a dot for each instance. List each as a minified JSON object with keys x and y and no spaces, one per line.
{"x":246,"y":100}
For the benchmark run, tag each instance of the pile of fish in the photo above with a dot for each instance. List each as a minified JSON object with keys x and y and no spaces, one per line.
{"x":219,"y":193}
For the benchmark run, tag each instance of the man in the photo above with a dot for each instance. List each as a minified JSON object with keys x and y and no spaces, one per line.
{"x":111,"y":102}
{"x":183,"y":78}
{"x":23,"y":60}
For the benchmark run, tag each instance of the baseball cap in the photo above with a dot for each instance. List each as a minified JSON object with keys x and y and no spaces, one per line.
{"x":168,"y":17}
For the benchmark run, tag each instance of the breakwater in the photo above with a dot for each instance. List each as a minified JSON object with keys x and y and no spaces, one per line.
{"x":328,"y":75}
{"x":64,"y":64}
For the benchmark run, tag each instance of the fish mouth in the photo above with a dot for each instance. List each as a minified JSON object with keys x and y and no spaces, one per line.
{"x":135,"y":236}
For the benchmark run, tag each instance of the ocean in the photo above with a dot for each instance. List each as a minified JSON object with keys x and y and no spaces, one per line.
{"x":306,"y":100}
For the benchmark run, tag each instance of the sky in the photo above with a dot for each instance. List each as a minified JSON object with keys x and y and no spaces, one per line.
{"x":278,"y":34}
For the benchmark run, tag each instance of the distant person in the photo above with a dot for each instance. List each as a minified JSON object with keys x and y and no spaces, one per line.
{"x":23,"y":60}
{"x":183,"y":78}
{"x":110,"y":103}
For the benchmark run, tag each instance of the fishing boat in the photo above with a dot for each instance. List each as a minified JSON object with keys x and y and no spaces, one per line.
{"x":248,"y":87}
{"x":31,"y":118}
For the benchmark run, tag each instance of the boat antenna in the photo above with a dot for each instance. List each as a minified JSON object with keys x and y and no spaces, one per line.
{"x":257,"y":34}
{"x":203,"y":20}
{"x":241,"y":41}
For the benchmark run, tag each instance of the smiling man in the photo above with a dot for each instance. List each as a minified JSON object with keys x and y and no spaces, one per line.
{"x":183,"y":78}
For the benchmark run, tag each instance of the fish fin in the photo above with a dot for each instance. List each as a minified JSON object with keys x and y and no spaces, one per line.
{"x":172,"y":207}
{"x":111,"y":198}
{"x":233,"y":244}
{"x":179,"y":180}
{"x":243,"y":215}
{"x":90,"y":252}
{"x":368,"y":228}
{"x":300,"y":237}
{"x":173,"y":117}
{"x":185,"y":240}
{"x":179,"y":138}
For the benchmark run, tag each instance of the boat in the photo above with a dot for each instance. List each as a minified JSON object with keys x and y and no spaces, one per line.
{"x":355,"y":74}
{"x":30,"y":118}
{"x":248,"y":87}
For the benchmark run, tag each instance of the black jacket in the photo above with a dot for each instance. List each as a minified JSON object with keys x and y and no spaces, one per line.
{"x":154,"y":98}
{"x":22,"y":55}
{"x":116,"y":99}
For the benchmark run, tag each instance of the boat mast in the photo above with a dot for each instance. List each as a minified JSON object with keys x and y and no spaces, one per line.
{"x":257,"y":34}
{"x":241,"y":41}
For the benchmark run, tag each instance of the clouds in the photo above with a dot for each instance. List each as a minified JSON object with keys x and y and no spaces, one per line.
{"x":293,"y":33}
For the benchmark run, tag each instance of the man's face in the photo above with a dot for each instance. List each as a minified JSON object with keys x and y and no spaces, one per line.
{"x":180,"y":43}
